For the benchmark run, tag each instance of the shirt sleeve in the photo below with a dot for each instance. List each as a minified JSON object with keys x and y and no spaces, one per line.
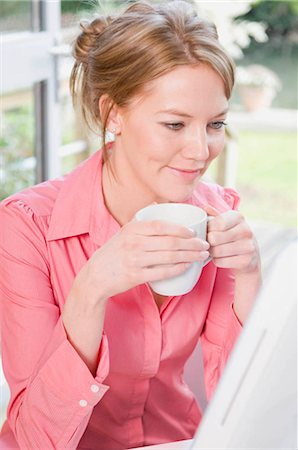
{"x":221,"y":330}
{"x":222,"y":326}
{"x":53,"y":392}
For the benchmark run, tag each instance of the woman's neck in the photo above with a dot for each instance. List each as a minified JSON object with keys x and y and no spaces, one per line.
{"x":122,"y":197}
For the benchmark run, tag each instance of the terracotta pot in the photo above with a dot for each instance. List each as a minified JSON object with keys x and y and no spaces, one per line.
{"x":255,"y":98}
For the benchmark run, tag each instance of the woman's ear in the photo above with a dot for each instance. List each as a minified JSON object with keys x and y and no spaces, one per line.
{"x":110,"y":114}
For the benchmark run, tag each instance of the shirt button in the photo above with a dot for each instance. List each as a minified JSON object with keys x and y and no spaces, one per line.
{"x":83,"y":403}
{"x":94,"y":388}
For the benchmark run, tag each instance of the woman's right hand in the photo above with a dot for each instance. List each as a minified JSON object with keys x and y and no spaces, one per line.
{"x":142,"y":252}
{"x":138,"y":253}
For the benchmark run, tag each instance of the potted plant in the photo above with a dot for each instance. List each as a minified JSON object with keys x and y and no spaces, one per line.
{"x":257,"y":86}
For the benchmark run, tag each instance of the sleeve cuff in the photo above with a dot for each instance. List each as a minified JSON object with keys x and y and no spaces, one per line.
{"x":68,"y":377}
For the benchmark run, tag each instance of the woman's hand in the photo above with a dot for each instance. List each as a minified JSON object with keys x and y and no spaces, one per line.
{"x":233,"y":246}
{"x":142,"y":252}
{"x":138,"y":253}
{"x":232,"y":242}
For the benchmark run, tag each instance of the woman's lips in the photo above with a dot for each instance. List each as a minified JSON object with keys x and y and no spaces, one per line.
{"x":185,"y":173}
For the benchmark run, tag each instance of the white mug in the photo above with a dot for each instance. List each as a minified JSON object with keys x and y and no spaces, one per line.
{"x":191,"y":217}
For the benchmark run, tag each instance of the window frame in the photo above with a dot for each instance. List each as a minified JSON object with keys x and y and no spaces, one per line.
{"x":29,"y":61}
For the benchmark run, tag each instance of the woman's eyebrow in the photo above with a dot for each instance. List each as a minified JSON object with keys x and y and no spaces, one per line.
{"x":174,"y":112}
{"x":223,"y":112}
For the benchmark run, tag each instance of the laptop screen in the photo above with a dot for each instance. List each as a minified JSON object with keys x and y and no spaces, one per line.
{"x":255,"y":403}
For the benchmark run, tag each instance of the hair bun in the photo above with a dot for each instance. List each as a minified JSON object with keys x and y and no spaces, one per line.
{"x":88,"y":38}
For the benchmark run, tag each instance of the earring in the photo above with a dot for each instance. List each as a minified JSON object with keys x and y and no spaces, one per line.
{"x":113,"y":130}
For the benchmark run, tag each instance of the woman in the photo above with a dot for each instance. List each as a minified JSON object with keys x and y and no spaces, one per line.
{"x":93,"y":357}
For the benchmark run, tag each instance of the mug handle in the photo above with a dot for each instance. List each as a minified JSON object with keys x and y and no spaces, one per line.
{"x":210,"y":257}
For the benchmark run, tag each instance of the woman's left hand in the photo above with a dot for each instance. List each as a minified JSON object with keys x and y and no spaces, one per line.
{"x":233,"y":246}
{"x":232,"y":243}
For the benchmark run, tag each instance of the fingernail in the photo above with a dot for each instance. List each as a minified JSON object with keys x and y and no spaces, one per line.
{"x":192,"y":232}
{"x":205,"y":255}
{"x":206,"y":245}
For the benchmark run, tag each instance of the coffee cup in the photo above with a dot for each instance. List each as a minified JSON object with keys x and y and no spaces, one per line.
{"x":191,"y":217}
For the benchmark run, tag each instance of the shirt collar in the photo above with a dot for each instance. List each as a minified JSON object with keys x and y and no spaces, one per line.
{"x":80,"y":206}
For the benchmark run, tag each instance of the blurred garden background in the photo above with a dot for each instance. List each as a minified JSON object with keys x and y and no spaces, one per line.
{"x":42,"y":137}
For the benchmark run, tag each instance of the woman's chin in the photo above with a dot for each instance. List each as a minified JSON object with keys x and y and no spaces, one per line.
{"x":177,"y":197}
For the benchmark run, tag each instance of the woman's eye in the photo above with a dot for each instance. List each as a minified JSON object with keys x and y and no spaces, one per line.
{"x":175,"y":125}
{"x":217,"y":125}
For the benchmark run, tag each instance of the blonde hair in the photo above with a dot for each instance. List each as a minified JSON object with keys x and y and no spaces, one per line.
{"x":117,"y":56}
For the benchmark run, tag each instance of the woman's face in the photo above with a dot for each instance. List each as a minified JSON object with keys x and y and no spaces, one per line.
{"x":169,"y":136}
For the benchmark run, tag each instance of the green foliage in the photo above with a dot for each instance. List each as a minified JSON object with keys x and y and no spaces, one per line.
{"x":74,"y":6}
{"x":280,"y":18}
{"x":280,"y":52}
{"x":16,"y":149}
{"x":12,"y":7}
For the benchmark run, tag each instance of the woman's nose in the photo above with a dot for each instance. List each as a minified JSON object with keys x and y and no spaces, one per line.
{"x":197,"y":146}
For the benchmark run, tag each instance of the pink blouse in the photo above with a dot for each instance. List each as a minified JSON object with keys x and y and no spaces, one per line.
{"x":138,"y":396}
